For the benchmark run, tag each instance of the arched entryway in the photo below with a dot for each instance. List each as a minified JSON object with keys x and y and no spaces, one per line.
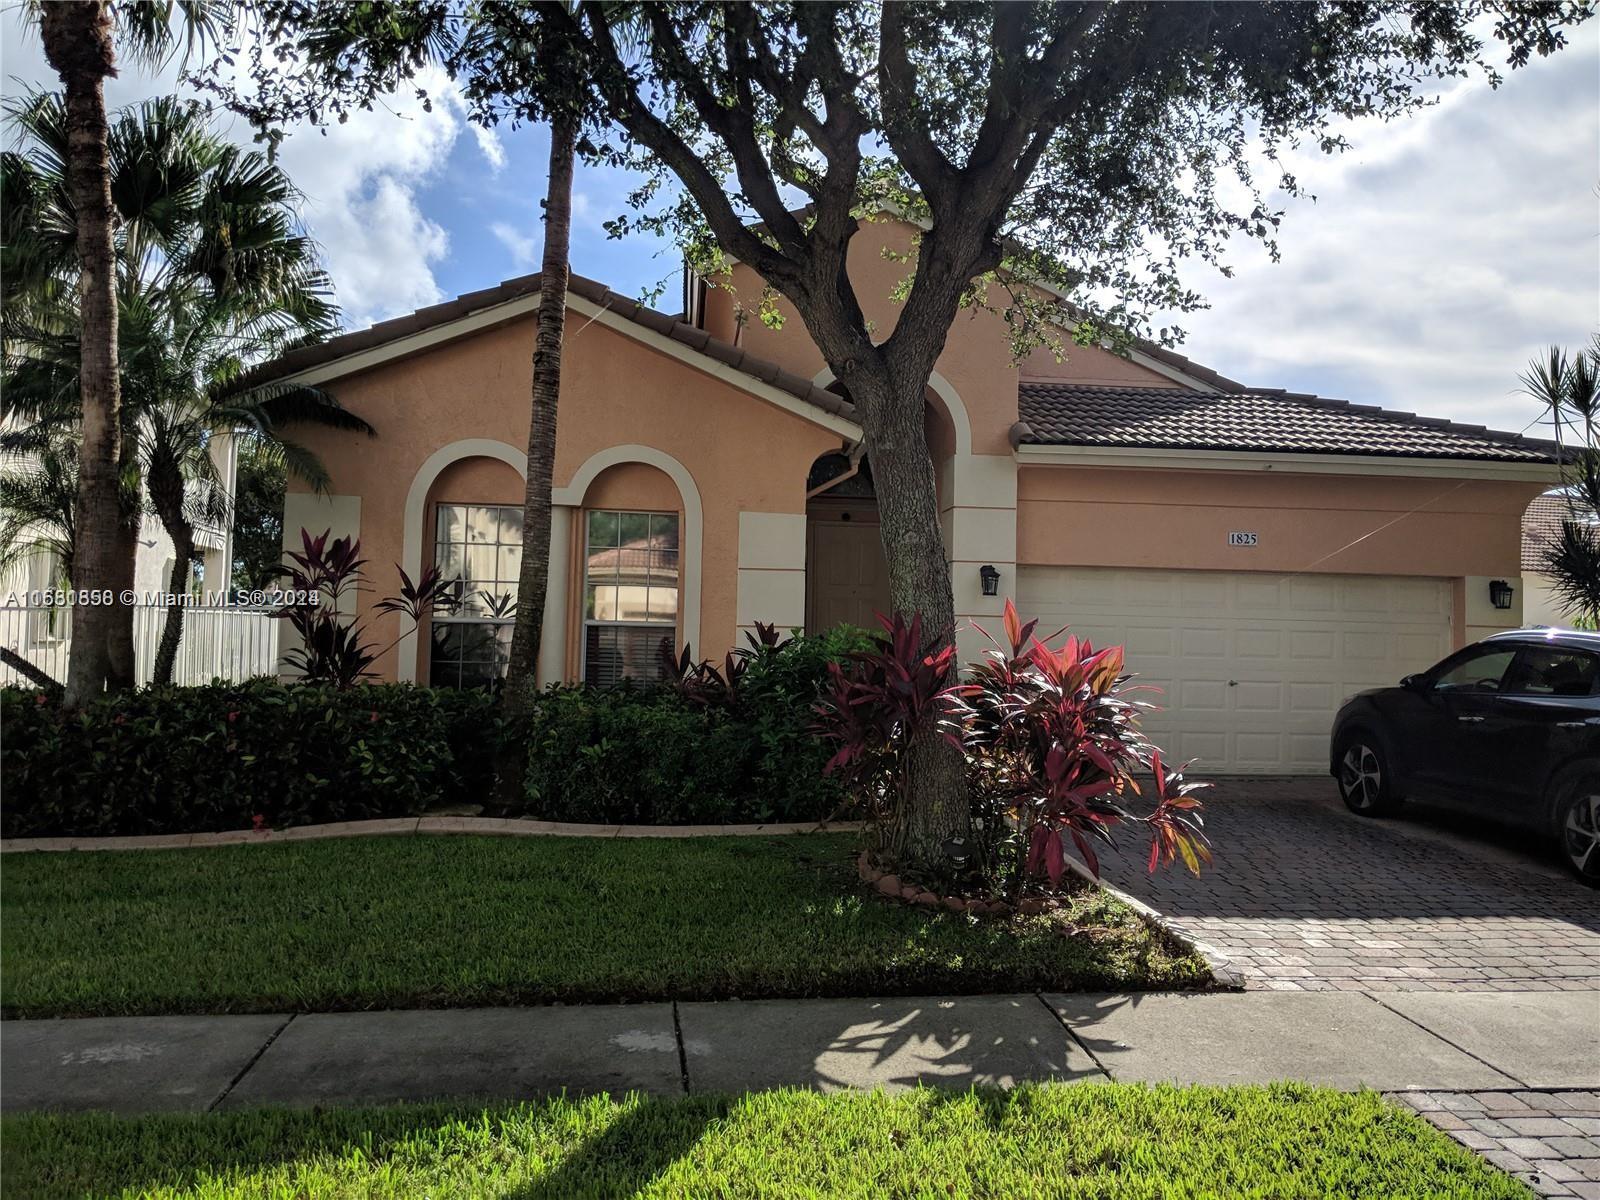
{"x":847,"y":579}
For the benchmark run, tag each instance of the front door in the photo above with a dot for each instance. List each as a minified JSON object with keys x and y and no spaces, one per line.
{"x":847,"y":579}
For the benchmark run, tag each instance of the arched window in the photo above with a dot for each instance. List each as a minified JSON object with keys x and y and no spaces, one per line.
{"x":630,"y":593}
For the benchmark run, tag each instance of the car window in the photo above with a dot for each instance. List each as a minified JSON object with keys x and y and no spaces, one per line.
{"x":1553,"y":671}
{"x":1479,"y":672}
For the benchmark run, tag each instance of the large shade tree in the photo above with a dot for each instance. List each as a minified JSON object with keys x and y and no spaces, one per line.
{"x":1063,"y":161}
{"x":213,"y":271}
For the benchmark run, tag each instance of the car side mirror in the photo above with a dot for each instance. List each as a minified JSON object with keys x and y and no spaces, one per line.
{"x":1412,"y":683}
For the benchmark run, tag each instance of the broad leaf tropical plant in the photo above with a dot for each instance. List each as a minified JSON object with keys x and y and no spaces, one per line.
{"x":1055,"y":751}
{"x":334,"y":648}
{"x":876,"y":709}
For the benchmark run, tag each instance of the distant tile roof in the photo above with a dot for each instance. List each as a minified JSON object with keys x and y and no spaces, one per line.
{"x":1067,"y":414}
{"x":1541,"y":526}
{"x":435,"y":315}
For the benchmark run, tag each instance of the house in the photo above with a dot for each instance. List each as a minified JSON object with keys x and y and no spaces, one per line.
{"x":1262,"y":554}
{"x":215,"y":643}
{"x":1541,"y":528}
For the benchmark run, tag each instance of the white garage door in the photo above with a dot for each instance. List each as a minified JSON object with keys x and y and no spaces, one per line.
{"x":1252,"y":667}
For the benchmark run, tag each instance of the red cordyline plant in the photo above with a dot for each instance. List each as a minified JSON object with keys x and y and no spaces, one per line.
{"x":1054,"y":749}
{"x":873,"y":711}
{"x":333,"y":647}
{"x":703,"y":684}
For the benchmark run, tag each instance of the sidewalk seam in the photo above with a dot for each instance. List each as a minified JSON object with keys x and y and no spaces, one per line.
{"x":1373,"y":996}
{"x":683,"y":1054}
{"x":1071,"y":1033}
{"x":254,"y":1059}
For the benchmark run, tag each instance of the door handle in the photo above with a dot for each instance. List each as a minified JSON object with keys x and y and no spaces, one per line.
{"x":1472,"y":720}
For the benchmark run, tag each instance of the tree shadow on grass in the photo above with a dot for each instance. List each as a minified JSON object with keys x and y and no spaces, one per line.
{"x":591,"y":1149}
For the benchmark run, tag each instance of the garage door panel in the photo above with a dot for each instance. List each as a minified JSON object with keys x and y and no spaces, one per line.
{"x":1292,"y":646}
{"x":1203,"y":643}
{"x":1258,"y":696}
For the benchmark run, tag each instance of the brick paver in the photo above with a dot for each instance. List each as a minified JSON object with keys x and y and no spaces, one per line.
{"x":1305,"y":895}
{"x":1548,"y":1139}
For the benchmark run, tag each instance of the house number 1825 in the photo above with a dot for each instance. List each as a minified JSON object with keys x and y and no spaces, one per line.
{"x":1242,"y":538}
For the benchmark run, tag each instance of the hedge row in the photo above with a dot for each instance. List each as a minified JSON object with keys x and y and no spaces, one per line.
{"x":231,"y":756}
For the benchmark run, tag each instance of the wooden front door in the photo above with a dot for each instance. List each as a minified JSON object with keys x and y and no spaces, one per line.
{"x":847,"y":579}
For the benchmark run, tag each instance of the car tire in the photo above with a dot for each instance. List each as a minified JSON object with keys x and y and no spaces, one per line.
{"x":1362,"y":771}
{"x":1577,"y":810}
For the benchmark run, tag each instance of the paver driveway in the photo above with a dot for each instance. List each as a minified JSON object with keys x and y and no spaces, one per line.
{"x":1306,"y":895}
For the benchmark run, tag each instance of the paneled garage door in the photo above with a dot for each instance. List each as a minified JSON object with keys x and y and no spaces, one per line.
{"x":1252,"y":667}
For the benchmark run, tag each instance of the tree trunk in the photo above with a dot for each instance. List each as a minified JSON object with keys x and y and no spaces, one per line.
{"x":121,"y":665}
{"x":182,"y":535}
{"x":77,"y":43}
{"x":891,"y":413}
{"x":533,"y":581}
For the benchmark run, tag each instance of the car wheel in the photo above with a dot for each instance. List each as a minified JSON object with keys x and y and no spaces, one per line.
{"x":1364,"y":779}
{"x":1578,"y":825}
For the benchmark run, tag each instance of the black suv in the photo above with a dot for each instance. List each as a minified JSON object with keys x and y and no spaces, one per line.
{"x":1508,"y":728}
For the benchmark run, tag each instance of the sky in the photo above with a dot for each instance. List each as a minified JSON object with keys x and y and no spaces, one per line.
{"x":1440,"y":254}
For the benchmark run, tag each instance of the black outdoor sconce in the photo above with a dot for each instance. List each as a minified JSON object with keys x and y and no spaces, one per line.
{"x":990,"y":579}
{"x":1499,"y":593}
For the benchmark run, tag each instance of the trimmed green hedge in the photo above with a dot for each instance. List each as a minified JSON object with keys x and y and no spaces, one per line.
{"x":228,"y":756}
{"x":186,"y":759}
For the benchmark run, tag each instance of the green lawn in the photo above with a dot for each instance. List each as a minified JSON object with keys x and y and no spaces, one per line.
{"x":453,"y":921}
{"x":1108,"y":1141}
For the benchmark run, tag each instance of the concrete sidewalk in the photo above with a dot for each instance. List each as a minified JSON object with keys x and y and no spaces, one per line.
{"x":1437,"y":1043}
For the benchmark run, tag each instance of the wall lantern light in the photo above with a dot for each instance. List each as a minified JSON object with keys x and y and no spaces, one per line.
{"x":1499,"y":593}
{"x":991,"y":580}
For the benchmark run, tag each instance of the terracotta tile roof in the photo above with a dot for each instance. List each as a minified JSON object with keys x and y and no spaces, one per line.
{"x":1541,"y":526}
{"x":514,"y":289}
{"x":1065,"y":414}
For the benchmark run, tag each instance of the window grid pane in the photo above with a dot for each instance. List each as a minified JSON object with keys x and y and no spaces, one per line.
{"x":630,"y":605}
{"x":480,"y":544}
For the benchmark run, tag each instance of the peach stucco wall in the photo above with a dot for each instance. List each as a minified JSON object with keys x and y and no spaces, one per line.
{"x":1349,"y":524}
{"x":976,"y":360}
{"x":742,"y":452}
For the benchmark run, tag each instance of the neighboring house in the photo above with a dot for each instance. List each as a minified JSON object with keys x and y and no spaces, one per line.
{"x":43,"y":634}
{"x":1541,"y":528}
{"x":1262,"y":554}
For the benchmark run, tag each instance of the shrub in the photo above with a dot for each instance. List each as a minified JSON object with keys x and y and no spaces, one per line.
{"x":694,"y":750}
{"x":1052,"y":743}
{"x":227,"y":756}
{"x":333,"y":645}
{"x":230,"y":756}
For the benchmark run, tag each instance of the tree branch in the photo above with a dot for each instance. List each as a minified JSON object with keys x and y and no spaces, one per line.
{"x":28,"y":671}
{"x":897,"y":83}
{"x":633,"y":115}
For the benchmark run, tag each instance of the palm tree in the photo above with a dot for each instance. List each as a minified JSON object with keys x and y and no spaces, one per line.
{"x":1569,"y":388}
{"x":213,"y":272}
{"x":80,"y":45}
{"x":533,"y":581}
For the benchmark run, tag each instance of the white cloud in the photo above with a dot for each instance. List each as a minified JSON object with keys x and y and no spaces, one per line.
{"x":1441,"y":254}
{"x":361,"y":178}
{"x":489,"y":146}
{"x":523,"y":247}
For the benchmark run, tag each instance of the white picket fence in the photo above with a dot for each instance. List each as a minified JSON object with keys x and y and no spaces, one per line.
{"x":217,"y":643}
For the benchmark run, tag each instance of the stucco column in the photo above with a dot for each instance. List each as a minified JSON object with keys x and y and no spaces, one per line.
{"x":552,"y":665}
{"x":772,"y":571}
{"x":1476,"y":616}
{"x":980,"y":521}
